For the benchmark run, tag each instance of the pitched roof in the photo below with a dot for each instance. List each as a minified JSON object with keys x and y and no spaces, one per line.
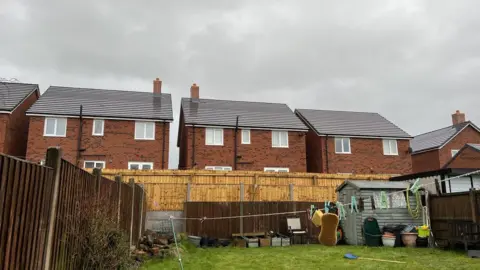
{"x":350,"y":123}
{"x":374,"y":185}
{"x":474,"y":146}
{"x":437,"y":138}
{"x":11,"y":94}
{"x":214,"y":112}
{"x":59,"y":100}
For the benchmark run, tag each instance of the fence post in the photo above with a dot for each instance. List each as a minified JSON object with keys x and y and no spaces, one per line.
{"x":290,"y":186}
{"x":189,"y":187}
{"x":141,"y":212}
{"x":314,"y":180}
{"x":53,"y":160}
{"x":118,"y":180}
{"x":473,"y":203}
{"x":132,"y":186}
{"x":98,"y":180}
{"x":242,"y":197}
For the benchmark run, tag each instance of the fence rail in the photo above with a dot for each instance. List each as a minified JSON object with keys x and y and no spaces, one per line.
{"x":40,"y":206}
{"x":169,"y":190}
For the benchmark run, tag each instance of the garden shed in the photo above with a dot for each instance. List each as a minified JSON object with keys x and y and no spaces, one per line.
{"x":367,"y":194}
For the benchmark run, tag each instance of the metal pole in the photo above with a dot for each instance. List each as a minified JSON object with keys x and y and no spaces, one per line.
{"x":176,"y":244}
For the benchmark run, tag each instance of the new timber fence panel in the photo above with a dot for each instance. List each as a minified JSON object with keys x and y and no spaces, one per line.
{"x":40,"y":206}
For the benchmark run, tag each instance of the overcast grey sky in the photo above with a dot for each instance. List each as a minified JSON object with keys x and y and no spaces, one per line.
{"x":414,"y":62}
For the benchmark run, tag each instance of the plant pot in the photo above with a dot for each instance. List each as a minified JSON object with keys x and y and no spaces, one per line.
{"x":388,"y":241}
{"x":409,"y":239}
{"x":195,"y":240}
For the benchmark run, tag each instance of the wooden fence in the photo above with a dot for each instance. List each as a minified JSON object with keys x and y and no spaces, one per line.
{"x":224,"y":228}
{"x":41,"y":206}
{"x":455,"y":215}
{"x":168,"y":190}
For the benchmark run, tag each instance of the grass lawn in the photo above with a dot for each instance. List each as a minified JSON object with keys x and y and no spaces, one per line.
{"x":316,"y":257}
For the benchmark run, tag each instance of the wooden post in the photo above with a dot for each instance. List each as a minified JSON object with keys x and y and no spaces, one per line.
{"x":53,"y":160}
{"x":98,"y":180}
{"x":242,"y":197}
{"x":290,"y":186}
{"x":118,"y":180}
{"x":473,"y":203}
{"x":141,"y":212}
{"x":189,"y":187}
{"x":132,"y":186}
{"x":314,"y":180}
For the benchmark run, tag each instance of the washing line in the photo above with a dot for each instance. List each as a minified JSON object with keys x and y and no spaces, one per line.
{"x":242,"y":216}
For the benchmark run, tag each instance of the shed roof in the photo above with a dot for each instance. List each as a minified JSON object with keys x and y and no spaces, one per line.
{"x":373,"y":185}
{"x":214,"y":112}
{"x":11,"y":94}
{"x":437,"y":138}
{"x":350,"y":123}
{"x":59,"y":100}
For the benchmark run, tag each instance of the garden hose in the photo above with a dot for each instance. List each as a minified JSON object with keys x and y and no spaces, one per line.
{"x":415,"y":213}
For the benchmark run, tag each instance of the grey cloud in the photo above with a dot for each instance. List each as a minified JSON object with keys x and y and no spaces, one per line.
{"x":415,"y":62}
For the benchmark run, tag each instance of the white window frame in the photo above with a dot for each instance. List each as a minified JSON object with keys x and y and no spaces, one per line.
{"x":244,"y":138}
{"x":54,"y":127}
{"x":343,"y":150}
{"x":276,"y":169}
{"x":93,"y":127}
{"x":218,"y":168}
{"x":140,"y":164}
{"x":94,"y":163}
{"x":279,"y":132}
{"x":137,"y":123}
{"x":389,"y":142}
{"x":454,"y":152}
{"x":212,"y":130}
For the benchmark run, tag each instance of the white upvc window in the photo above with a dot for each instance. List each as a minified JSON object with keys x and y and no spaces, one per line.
{"x":245,"y":136}
{"x":279,"y":139}
{"x":214,"y":136}
{"x":218,"y":168}
{"x":90,"y":164}
{"x":144,"y":130}
{"x":454,"y":152}
{"x":275,"y":169}
{"x":390,"y":148}
{"x":342,"y":145}
{"x":98,"y":126}
{"x":55,"y":127}
{"x":134,"y":165}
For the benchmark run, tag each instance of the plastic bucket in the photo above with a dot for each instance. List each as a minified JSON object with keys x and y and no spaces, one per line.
{"x":388,"y":241}
{"x":195,"y":240}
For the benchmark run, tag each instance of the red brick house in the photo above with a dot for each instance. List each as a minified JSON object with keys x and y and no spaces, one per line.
{"x":433,"y":150}
{"x":468,"y":157}
{"x":102,"y":128}
{"x":354,"y":142}
{"x":239,"y":135}
{"x":15,"y":99}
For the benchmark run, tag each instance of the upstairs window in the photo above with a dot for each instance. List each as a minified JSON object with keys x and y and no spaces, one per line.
{"x":342,"y":145}
{"x":89,"y":164}
{"x":390,"y":147}
{"x":245,"y":136}
{"x":280,"y":139}
{"x":454,"y":152}
{"x":97,"y":129}
{"x":214,"y":136}
{"x":218,"y":168}
{"x":144,"y":130}
{"x":55,"y":127}
{"x":140,"y":165}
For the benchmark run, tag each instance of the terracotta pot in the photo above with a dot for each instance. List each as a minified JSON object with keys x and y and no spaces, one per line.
{"x":409,"y":239}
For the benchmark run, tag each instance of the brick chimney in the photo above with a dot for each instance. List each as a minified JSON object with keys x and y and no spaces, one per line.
{"x":195,"y":91}
{"x":458,"y":117}
{"x":157,"y":86}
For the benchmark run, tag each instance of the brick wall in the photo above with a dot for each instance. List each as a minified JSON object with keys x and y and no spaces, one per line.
{"x":117,"y":147}
{"x":14,"y":129}
{"x":259,"y":154}
{"x":436,"y":159}
{"x":366,"y":157}
{"x":469,"y":158}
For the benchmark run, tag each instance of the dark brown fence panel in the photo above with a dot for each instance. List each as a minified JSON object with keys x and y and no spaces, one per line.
{"x":126,"y":207}
{"x":224,"y":228}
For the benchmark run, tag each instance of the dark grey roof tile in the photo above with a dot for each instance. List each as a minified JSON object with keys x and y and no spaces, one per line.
{"x":60,"y":100}
{"x":435,"y":139}
{"x":11,"y":94}
{"x":350,"y":123}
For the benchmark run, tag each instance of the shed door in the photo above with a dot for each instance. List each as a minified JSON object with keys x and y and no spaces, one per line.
{"x":461,"y":184}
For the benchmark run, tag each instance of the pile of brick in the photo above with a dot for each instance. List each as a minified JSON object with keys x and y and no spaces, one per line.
{"x":155,"y":245}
